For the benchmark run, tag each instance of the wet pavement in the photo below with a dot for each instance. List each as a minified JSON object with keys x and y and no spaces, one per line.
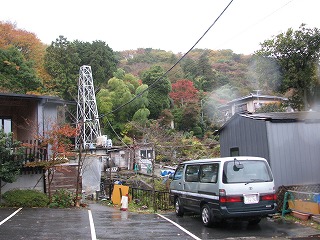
{"x":115,"y":224}
{"x":266,"y":229}
{"x":102,"y":222}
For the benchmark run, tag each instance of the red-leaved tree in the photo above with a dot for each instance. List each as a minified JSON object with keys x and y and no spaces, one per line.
{"x":61,"y":147}
{"x":184,"y":92}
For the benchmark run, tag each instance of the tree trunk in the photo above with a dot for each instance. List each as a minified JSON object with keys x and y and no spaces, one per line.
{"x":305,"y":101}
{"x":0,"y":191}
{"x":155,"y":208}
{"x":50,"y":179}
{"x":78,"y":196}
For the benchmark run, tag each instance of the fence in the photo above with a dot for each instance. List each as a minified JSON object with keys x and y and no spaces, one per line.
{"x":148,"y":198}
{"x":313,"y":188}
{"x":34,"y":152}
{"x":144,"y":197}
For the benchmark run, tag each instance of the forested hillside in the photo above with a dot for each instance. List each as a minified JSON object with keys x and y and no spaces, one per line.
{"x":152,"y":87}
{"x":207,"y":69}
{"x":53,"y":70}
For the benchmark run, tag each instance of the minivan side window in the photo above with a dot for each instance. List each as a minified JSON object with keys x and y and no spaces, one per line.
{"x":178,"y":173}
{"x":192,"y":173}
{"x":209,"y":173}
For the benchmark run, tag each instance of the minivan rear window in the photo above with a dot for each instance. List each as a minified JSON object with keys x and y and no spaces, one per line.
{"x":252,"y":171}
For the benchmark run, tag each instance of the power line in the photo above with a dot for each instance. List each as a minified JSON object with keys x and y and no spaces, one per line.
{"x":117,"y":134}
{"x":259,"y":21}
{"x":246,"y":29}
{"x":183,"y":56}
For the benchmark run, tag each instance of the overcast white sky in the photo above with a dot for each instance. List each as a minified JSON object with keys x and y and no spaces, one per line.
{"x":171,"y":25}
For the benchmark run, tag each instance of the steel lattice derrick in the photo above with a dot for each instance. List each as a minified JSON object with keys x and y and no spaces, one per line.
{"x":87,"y":112}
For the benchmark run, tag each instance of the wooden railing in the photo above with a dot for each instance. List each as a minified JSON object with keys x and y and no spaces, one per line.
{"x":33,"y":152}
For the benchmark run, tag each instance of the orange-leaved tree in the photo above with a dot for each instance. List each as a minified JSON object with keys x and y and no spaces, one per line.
{"x":183,"y":92}
{"x":29,"y":45}
{"x":58,"y":140}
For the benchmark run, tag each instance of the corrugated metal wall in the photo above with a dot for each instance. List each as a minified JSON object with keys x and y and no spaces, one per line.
{"x":294,"y":152}
{"x":292,"y":148}
{"x":249,"y":135}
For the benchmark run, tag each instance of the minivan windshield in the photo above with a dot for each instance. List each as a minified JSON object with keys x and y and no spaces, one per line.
{"x":252,"y":171}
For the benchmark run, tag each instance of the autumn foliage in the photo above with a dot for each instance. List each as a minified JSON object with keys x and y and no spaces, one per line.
{"x":184,"y":92}
{"x":58,"y":138}
{"x":27,"y":43}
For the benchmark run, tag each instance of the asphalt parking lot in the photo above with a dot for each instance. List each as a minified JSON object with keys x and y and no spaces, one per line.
{"x":102,"y":222}
{"x":96,"y":222}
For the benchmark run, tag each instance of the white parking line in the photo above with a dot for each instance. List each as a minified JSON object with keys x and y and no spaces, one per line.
{"x":93,"y":230}
{"x":178,"y":226}
{"x":6,"y":219}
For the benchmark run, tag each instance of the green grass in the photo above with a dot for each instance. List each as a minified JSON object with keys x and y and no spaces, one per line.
{"x":25,"y":198}
{"x":308,"y":223}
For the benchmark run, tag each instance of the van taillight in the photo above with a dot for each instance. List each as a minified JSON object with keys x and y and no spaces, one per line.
{"x":228,"y":199}
{"x":269,"y":197}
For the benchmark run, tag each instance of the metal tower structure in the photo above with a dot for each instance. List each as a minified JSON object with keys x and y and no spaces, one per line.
{"x":87,"y":112}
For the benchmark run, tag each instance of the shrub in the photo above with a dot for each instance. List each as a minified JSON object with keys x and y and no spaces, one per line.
{"x":62,"y":199}
{"x":25,"y":198}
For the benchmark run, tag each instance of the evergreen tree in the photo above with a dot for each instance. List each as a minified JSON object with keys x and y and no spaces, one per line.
{"x":298,"y":54}
{"x":9,"y":165}
{"x":16,"y":74}
{"x":159,"y":89}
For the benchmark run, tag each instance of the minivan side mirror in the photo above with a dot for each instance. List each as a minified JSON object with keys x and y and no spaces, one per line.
{"x":237,"y":165}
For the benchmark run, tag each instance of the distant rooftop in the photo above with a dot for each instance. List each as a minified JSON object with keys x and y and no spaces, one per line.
{"x":285,"y":116}
{"x":35,"y":97}
{"x":252,"y":95}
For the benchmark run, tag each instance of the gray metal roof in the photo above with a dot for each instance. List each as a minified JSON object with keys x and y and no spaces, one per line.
{"x":36,"y":97}
{"x":285,"y":116}
{"x":257,"y":96}
{"x":306,"y":116}
{"x":252,"y":96}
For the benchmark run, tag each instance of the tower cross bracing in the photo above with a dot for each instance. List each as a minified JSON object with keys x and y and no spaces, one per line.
{"x":87,"y":112}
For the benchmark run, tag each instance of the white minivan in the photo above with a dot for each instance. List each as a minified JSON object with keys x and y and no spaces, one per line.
{"x":224,"y":188}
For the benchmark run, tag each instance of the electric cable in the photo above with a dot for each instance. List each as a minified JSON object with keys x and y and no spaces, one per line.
{"x":182,"y":57}
{"x":257,"y":22}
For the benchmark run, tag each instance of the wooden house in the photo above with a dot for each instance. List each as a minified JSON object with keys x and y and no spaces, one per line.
{"x":25,"y":115}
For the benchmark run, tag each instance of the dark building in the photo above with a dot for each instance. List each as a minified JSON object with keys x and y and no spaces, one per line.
{"x":289,"y":141}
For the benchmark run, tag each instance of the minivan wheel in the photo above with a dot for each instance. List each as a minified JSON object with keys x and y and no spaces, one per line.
{"x":206,"y":216}
{"x":178,"y":207}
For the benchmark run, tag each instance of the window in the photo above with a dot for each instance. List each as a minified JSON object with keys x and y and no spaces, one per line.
{"x":192,"y":173}
{"x":5,"y":124}
{"x":178,"y":173}
{"x":209,"y":173}
{"x":252,"y":171}
{"x":241,"y":108}
{"x":234,"y":152}
{"x":146,"y":154}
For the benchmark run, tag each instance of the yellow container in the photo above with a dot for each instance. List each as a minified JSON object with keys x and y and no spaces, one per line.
{"x":304,"y":206}
{"x":118,"y":192}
